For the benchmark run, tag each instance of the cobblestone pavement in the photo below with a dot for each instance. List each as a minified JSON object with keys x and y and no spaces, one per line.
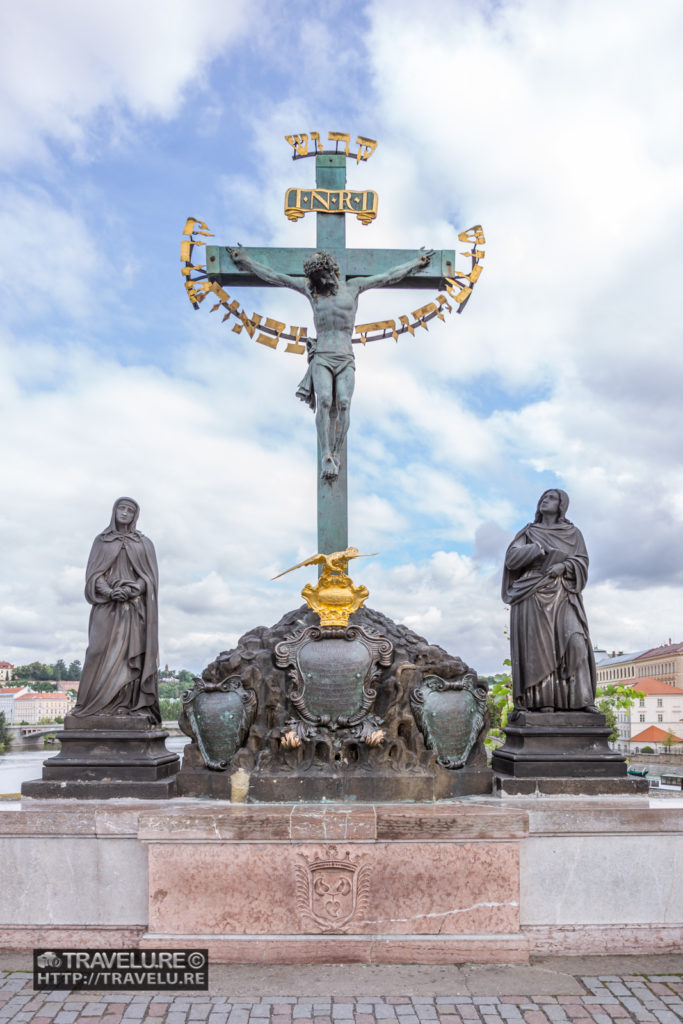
{"x":607,"y":999}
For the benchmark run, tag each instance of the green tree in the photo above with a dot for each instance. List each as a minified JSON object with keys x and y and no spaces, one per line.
{"x":32,"y":671}
{"x":173,"y":687}
{"x":59,"y":670}
{"x":611,"y":720}
{"x":500,"y":705}
{"x":5,"y":734}
{"x":669,"y":740}
{"x":74,"y":670}
{"x":647,"y":750}
{"x":170,"y":710}
{"x":36,"y":670}
{"x":170,"y":690}
{"x":612,"y":698}
{"x":43,"y":686}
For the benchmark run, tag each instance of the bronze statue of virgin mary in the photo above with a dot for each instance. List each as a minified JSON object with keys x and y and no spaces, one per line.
{"x":122,"y":581}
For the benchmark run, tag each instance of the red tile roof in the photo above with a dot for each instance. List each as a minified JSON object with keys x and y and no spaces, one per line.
{"x":11,"y":689}
{"x":650,"y":685}
{"x":5,"y":664}
{"x":653,"y":734}
{"x":54,"y":695}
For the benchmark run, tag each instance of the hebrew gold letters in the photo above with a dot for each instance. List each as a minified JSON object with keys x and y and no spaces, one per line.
{"x":459,"y":286}
{"x":300,"y":144}
{"x":366,"y":147}
{"x":340,"y":137}
{"x":295,"y":346}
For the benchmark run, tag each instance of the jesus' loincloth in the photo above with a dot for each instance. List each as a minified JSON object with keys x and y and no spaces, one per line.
{"x":335,"y":362}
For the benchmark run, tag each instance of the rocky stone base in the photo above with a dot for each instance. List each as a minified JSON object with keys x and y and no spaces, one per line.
{"x":265,"y":787}
{"x":332,"y":762}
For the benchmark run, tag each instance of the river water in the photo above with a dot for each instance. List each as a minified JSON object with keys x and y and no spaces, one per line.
{"x":19,"y":766}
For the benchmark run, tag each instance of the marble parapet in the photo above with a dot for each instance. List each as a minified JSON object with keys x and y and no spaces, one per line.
{"x":478,"y":880}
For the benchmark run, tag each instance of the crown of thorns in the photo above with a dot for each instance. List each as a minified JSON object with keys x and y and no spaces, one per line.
{"x":320,"y":261}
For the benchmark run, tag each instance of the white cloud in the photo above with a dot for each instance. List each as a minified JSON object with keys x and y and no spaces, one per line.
{"x":450,"y":599}
{"x":556,"y":126}
{"x":75,"y":66}
{"x":49,"y":262}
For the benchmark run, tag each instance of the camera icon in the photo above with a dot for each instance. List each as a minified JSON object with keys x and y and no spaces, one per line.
{"x":48,"y":959}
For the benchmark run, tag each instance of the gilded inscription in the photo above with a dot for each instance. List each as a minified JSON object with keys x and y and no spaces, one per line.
{"x":299,"y":201}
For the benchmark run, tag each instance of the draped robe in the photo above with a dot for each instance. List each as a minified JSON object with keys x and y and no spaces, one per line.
{"x":551,"y":652}
{"x":120,"y":668}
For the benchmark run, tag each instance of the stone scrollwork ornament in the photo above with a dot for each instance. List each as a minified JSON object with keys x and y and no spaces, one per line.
{"x":450,"y":714}
{"x":218,"y":716}
{"x":331,"y":672}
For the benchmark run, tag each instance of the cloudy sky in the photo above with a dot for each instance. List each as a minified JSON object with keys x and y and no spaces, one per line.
{"x":557,"y":124}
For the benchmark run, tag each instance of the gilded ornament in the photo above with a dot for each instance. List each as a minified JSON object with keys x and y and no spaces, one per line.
{"x":335,"y":596}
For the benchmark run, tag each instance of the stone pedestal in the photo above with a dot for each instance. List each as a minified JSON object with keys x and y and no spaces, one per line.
{"x":106,"y":756}
{"x":322,"y":783}
{"x":382,"y":883}
{"x":560,"y":752}
{"x":369,"y":712}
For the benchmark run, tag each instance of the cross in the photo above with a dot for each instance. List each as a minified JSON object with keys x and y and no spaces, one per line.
{"x":353,"y":264}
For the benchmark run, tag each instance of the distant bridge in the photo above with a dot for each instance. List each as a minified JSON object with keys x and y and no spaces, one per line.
{"x":29,"y":735}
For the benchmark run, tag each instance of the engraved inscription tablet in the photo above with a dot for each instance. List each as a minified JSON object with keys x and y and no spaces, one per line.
{"x":450,"y":714}
{"x":331,"y":671}
{"x":219,"y":716}
{"x":334,"y":673}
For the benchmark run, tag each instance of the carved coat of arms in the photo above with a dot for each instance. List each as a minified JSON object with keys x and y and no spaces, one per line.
{"x":331,"y":890}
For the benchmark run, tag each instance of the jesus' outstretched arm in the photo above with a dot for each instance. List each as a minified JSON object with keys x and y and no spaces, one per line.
{"x":361,"y":284}
{"x":244,"y":262}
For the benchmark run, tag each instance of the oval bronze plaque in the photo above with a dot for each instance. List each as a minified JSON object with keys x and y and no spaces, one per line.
{"x":450,"y":715}
{"x":333,"y":672}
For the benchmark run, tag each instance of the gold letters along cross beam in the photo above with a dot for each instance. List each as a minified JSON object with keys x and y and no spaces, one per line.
{"x":330,"y":200}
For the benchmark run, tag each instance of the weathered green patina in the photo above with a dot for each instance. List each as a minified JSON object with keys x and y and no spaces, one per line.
{"x":259,"y":267}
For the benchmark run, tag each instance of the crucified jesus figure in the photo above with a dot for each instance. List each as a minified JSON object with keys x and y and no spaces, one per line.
{"x":330,"y":378}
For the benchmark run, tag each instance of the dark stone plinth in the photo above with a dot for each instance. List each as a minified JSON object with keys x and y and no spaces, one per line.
{"x":558,"y":744}
{"x":505,"y":785}
{"x":195,"y":780}
{"x":108,"y":756}
{"x":382,"y":754}
{"x":385,"y":787}
{"x":41,"y":789}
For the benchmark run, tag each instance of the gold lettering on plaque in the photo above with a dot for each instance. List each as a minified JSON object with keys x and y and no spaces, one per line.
{"x":299,"y":201}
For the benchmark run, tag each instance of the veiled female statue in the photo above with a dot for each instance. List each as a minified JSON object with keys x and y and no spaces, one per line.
{"x":546,"y":566}
{"x":122,"y":580}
